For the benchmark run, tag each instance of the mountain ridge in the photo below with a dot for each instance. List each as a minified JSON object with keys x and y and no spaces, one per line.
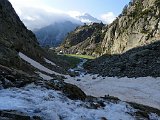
{"x":33,"y":85}
{"x":86,"y":39}
{"x":16,"y":38}
{"x":54,"y":34}
{"x":137,"y":25}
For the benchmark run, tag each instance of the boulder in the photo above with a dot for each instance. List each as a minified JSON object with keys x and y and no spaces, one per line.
{"x":71,"y":91}
{"x":15,"y":115}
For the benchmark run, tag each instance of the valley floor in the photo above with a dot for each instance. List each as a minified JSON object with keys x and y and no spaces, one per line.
{"x":144,"y":91}
{"x":49,"y":104}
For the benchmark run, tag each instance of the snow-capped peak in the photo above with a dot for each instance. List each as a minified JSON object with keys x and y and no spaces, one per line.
{"x":87,"y":18}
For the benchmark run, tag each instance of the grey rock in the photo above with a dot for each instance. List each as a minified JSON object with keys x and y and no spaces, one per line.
{"x":137,"y":62}
{"x":138,"y":26}
{"x":71,"y":91}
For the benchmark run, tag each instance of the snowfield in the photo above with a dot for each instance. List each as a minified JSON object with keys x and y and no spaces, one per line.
{"x":144,"y":90}
{"x":53,"y":105}
{"x":50,"y":62}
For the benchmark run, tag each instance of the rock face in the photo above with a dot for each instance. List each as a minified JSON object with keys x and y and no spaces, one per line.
{"x":53,"y":35}
{"x":14,"y":78}
{"x":86,"y":39}
{"x":138,"y":25}
{"x":14,"y":37}
{"x":15,"y":115}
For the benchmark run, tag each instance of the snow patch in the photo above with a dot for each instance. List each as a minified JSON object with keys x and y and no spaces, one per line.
{"x":154,"y":116}
{"x":36,"y":64}
{"x":53,"y":105}
{"x":50,"y":62}
{"x":145,"y":90}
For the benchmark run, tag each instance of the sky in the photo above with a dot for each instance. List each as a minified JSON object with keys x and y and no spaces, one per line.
{"x":43,"y":12}
{"x":93,"y":7}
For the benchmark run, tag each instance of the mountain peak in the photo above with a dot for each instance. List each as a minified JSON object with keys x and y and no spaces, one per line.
{"x":87,"y":14}
{"x":87,"y":18}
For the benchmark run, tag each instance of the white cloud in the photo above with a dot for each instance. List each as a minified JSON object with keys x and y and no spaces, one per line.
{"x":35,"y":14}
{"x":108,"y":17}
{"x":74,"y":14}
{"x":38,"y":17}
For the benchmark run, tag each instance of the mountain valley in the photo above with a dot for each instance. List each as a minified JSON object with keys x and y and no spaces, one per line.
{"x":99,"y":72}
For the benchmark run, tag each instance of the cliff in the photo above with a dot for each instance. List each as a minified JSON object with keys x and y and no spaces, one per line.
{"x":14,"y":38}
{"x":137,"y":25}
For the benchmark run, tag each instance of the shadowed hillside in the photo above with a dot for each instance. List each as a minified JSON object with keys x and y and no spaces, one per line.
{"x":137,"y":62}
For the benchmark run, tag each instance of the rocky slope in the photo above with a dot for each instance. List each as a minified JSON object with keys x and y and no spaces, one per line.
{"x":17,"y":70}
{"x":26,"y":96}
{"x":53,"y":35}
{"x":86,"y":39}
{"x":15,"y":38}
{"x":138,"y":62}
{"x":138,"y":25}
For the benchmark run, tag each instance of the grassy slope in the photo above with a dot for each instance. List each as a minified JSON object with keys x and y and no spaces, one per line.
{"x":80,"y":56}
{"x":71,"y":61}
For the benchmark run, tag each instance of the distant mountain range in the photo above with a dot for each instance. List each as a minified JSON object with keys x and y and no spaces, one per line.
{"x":53,"y":35}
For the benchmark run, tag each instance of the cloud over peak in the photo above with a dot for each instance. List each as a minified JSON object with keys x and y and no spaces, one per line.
{"x":35,"y":14}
